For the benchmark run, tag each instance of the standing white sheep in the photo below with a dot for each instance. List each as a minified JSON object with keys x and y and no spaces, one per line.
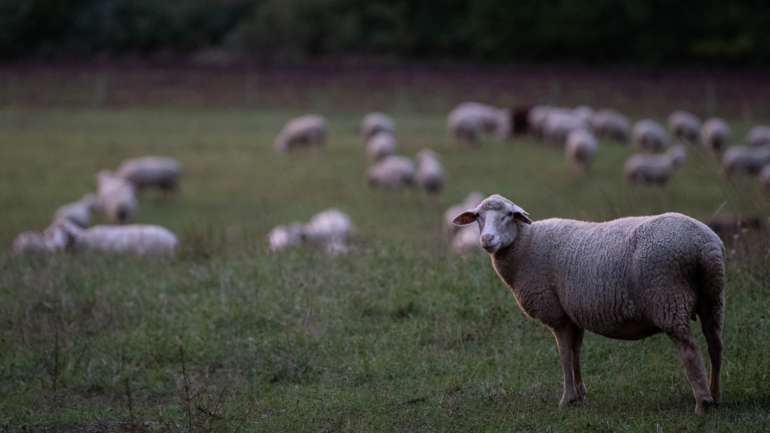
{"x":393,"y":172}
{"x":470,"y":120}
{"x":431,"y":175}
{"x":374,"y":123}
{"x":116,"y":197}
{"x":649,"y":135}
{"x":380,"y":145}
{"x":625,"y":279}
{"x":759,"y":136}
{"x":744,"y":159}
{"x":715,"y":134}
{"x":329,"y":230}
{"x":610,"y":124}
{"x":152,"y":172}
{"x":133,"y":239}
{"x":581,"y":149}
{"x":304,"y":131}
{"x":655,"y":169}
{"x":78,"y":212}
{"x":685,"y":126}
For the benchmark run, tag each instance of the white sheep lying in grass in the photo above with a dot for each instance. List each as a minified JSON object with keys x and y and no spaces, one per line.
{"x":463,"y":240}
{"x":470,"y":120}
{"x":626,"y":279}
{"x":655,"y":169}
{"x":744,"y":159}
{"x":133,"y":239}
{"x":329,"y":231}
{"x":649,"y":135}
{"x":393,"y":172}
{"x":78,"y":212}
{"x":374,"y":123}
{"x":116,"y":197}
{"x":685,"y":126}
{"x":52,"y":240}
{"x":581,"y":149}
{"x":759,"y":136}
{"x":304,"y":131}
{"x":715,"y":134}
{"x":381,"y":145}
{"x":152,"y":172}
{"x":610,"y":124}
{"x":431,"y":175}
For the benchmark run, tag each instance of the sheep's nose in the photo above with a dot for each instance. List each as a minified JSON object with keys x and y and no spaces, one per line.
{"x":487,"y":238}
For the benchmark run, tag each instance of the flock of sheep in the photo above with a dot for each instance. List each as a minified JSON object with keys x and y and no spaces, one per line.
{"x":116,"y":198}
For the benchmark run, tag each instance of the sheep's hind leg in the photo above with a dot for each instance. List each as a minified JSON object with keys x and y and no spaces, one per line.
{"x":578,"y":343}
{"x":711,"y":323}
{"x":565,"y":338}
{"x":693,"y":365}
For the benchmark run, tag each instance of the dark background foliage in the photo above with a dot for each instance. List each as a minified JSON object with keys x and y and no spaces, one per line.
{"x":652,"y":32}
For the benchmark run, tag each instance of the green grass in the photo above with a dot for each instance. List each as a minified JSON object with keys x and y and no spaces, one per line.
{"x":399,"y":336}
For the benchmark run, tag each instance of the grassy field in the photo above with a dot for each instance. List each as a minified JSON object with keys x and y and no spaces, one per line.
{"x":399,"y":336}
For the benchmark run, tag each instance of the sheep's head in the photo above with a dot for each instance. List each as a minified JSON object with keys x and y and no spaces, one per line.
{"x":498,"y":220}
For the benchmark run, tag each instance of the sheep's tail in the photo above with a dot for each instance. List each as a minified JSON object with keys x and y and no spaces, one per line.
{"x":711,"y":305}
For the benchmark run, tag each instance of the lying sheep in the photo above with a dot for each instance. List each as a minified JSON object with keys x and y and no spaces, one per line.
{"x":685,"y":126}
{"x":284,"y":237}
{"x":116,"y":197}
{"x":649,"y":135}
{"x":301,"y":132}
{"x":715,"y":134}
{"x":430,"y":172}
{"x":470,"y":201}
{"x":78,"y":212}
{"x":654,"y":169}
{"x":133,"y":239}
{"x":581,"y":149}
{"x":625,"y":279}
{"x":759,"y":136}
{"x":744,"y":159}
{"x":152,"y":172}
{"x":381,"y":145}
{"x":374,"y":123}
{"x":611,"y":125}
{"x":393,"y":172}
{"x":470,"y":120}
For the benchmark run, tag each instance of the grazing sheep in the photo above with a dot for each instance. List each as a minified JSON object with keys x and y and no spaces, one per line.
{"x":152,"y":172}
{"x":759,"y":136}
{"x":304,"y":131}
{"x":611,"y":125}
{"x":133,"y":239}
{"x":685,"y":126}
{"x":715,"y":133}
{"x":655,"y":169}
{"x":536,"y":119}
{"x":469,"y":120}
{"x":52,"y":240}
{"x":581,"y":149}
{"x":584,"y":113}
{"x":470,"y":201}
{"x":650,"y":136}
{"x":283,"y":237}
{"x":625,"y":279}
{"x":393,"y":172}
{"x":79,"y":212}
{"x":116,"y":197}
{"x":430,"y":172}
{"x":744,"y":159}
{"x":559,"y":123}
{"x":374,"y":123}
{"x":764,"y":178}
{"x":380,"y":145}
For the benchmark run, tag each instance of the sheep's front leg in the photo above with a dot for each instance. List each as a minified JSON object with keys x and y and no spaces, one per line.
{"x":578,"y":342}
{"x":566,"y":338}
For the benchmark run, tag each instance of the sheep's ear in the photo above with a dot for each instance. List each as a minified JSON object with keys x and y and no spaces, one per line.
{"x":520,"y":214}
{"x":467,"y":217}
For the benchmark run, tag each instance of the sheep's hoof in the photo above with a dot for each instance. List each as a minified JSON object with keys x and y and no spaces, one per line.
{"x":702,"y":406}
{"x":569,"y":401}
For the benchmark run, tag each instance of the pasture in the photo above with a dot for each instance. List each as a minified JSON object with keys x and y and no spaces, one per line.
{"x":398,"y":336}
